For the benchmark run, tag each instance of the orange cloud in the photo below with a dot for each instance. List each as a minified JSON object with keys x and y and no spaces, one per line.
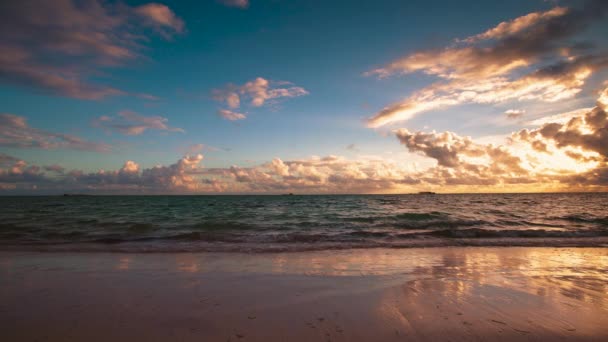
{"x":517,"y":25}
{"x":257,"y":91}
{"x":564,"y":155}
{"x":160,"y":16}
{"x":488,"y":68}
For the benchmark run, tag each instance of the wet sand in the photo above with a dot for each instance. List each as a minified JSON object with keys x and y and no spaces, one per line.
{"x":427,"y":294}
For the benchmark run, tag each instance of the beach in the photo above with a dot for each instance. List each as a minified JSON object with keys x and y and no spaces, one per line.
{"x":378,"y":294}
{"x":245,"y":170}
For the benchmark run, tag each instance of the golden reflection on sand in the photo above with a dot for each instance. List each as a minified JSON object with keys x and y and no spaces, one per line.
{"x":355,"y":295}
{"x":512,"y":294}
{"x":124,"y":262}
{"x":188,"y":263}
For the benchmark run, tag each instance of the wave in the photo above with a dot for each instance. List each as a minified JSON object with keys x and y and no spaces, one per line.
{"x":433,"y":215}
{"x":244,"y":247}
{"x":510,"y":233}
{"x":302,"y":241}
{"x":583,"y":218}
{"x":224,"y":226}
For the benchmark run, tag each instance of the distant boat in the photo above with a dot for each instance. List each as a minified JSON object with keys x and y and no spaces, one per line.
{"x":426,"y":193}
{"x":73,"y":195}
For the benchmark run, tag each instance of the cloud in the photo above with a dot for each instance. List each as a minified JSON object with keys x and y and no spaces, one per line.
{"x":161,"y":17}
{"x":131,"y":178}
{"x":54,"y":168}
{"x":5,"y":159}
{"x":550,"y":84}
{"x":515,"y":113}
{"x":196,"y":148}
{"x":257,"y":92}
{"x":587,"y":132}
{"x":559,"y":118}
{"x":556,"y":156}
{"x":509,"y":28}
{"x":21,"y":173}
{"x":230,"y":115}
{"x":56,"y":46}
{"x":175,"y":176}
{"x":328,"y":174}
{"x":528,"y":58}
{"x":235,"y":3}
{"x":352,"y":147}
{"x":444,"y":147}
{"x":16,"y":133}
{"x":510,"y":51}
{"x":572,"y":154}
{"x":279,"y":167}
{"x":131,"y":123}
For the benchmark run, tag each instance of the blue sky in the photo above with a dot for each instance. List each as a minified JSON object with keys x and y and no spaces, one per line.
{"x":324,"y":48}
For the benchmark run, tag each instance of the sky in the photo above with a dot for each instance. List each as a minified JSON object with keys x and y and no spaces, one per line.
{"x":278,"y":96}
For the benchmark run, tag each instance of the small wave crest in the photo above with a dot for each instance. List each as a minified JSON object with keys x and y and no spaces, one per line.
{"x":302,"y":222}
{"x":585,"y":218}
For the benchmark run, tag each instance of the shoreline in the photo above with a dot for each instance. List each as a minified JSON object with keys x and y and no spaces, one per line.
{"x":472,"y":293}
{"x":197,"y":246}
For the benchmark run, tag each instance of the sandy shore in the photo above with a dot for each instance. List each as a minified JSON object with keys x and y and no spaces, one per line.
{"x":510,"y":293}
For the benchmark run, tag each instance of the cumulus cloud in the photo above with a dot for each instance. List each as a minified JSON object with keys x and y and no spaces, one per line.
{"x":587,"y":132}
{"x":571,"y":153}
{"x":20,"y":173}
{"x":257,"y":92}
{"x":566,"y":155}
{"x":131,"y":123}
{"x":236,"y":3}
{"x":461,"y":161}
{"x":55,"y":46}
{"x":230,"y":115}
{"x":494,"y":66}
{"x":16,"y":133}
{"x":175,"y":176}
{"x":331,"y":174}
{"x":444,"y":147}
{"x":180,"y":176}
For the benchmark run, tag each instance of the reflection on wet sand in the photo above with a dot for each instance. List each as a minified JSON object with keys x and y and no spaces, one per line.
{"x":519,"y":294}
{"x":379,"y":294}
{"x":187,"y":263}
{"x":124,"y":262}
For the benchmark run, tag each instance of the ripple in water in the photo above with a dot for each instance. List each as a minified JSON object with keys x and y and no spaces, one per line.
{"x":269,"y":223}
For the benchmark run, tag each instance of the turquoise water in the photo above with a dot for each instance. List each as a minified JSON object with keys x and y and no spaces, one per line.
{"x":267,"y":223}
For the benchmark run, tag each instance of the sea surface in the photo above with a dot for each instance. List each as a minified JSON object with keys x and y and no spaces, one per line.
{"x":301,"y":222}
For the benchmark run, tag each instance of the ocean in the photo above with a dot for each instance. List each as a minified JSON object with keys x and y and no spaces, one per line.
{"x":300,"y":222}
